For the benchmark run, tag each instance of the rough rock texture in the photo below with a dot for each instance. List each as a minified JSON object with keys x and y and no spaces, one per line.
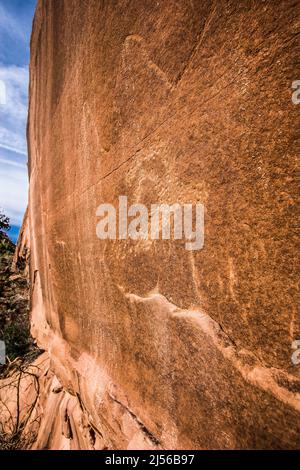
{"x":37,"y":413}
{"x":21,"y":259}
{"x":170,"y":101}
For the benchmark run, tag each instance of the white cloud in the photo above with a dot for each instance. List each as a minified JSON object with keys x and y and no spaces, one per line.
{"x":13,"y":114}
{"x":13,"y":149}
{"x":12,"y":163}
{"x":15,"y":21}
{"x":13,"y":190}
{"x":10,"y":25}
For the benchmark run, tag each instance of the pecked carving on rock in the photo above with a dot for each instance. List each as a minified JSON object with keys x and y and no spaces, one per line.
{"x":167,"y":102}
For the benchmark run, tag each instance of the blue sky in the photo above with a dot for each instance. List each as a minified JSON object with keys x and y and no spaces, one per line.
{"x":15,"y":29}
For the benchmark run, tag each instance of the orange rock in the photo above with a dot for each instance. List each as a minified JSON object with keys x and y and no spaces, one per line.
{"x":167,"y":102}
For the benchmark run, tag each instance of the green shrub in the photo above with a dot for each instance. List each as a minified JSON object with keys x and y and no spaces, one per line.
{"x":17,"y":339}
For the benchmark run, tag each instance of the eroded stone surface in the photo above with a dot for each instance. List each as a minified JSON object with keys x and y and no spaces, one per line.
{"x":168,"y":102}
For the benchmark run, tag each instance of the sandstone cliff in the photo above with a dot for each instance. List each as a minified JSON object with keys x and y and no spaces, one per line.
{"x":170,"y":101}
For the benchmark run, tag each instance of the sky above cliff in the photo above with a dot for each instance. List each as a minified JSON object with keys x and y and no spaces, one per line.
{"x":15,"y":29}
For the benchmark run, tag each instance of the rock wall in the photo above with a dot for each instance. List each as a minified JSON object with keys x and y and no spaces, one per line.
{"x":170,"y":101}
{"x":21,"y":258}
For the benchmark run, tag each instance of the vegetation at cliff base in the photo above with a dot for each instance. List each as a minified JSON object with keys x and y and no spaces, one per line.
{"x":14,"y":301}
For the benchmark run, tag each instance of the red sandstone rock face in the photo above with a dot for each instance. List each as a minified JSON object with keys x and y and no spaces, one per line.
{"x":168,"y":102}
{"x":22,"y":251}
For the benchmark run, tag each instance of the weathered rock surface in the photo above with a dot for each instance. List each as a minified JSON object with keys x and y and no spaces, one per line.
{"x":168,"y":102}
{"x":21,"y":258}
{"x":37,"y":413}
